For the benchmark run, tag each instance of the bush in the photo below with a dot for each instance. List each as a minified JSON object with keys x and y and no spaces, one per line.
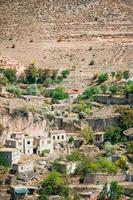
{"x":103,"y":88}
{"x":119,"y":75}
{"x":54,"y":184}
{"x":126,"y":117}
{"x":90,"y":92}
{"x":81,"y":107}
{"x":65,"y":73}
{"x":122,"y":163}
{"x":75,"y":155}
{"x":113,"y":89}
{"x":102,"y":77}
{"x":126,"y":74}
{"x":10,"y":74}
{"x":32,"y":90}
{"x":129,"y":88}
{"x":31,"y":74}
{"x":15,"y":90}
{"x":113,"y":134}
{"x":130,"y":148}
{"x":3,"y":80}
{"x":88,"y":134}
{"x":109,"y":148}
{"x":59,"y":94}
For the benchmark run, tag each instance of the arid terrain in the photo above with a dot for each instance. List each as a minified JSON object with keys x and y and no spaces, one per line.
{"x":83,"y":35}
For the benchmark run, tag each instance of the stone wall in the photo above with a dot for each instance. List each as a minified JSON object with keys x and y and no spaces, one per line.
{"x":107,"y":99}
{"x":103,"y":178}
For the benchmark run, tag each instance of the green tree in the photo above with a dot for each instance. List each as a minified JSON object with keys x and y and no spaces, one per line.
{"x":126,"y":117}
{"x":10,"y":74}
{"x":77,"y":196}
{"x":113,"y":89}
{"x":65,"y":73}
{"x":31,"y":74}
{"x":129,"y":88}
{"x":116,"y":191}
{"x":88,"y":134}
{"x":59,"y":94}
{"x":54,"y":184}
{"x":113,"y":134}
{"x":109,"y":148}
{"x":91,"y":91}
{"x":102,"y":77}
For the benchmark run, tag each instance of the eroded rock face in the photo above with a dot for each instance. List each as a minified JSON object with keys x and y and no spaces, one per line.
{"x":18,"y":121}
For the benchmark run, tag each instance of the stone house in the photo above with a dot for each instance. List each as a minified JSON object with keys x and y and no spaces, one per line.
{"x":15,"y":143}
{"x":65,"y":167}
{"x":43,"y":143}
{"x":58,"y":136}
{"x":28,"y":145}
{"x":98,"y":138}
{"x":23,"y":144}
{"x":102,"y":178}
{"x":12,"y":155}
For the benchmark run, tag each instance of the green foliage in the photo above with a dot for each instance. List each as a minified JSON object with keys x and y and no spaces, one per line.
{"x":126,"y":118}
{"x":95,"y":166}
{"x":88,"y":134}
{"x":75,"y":155}
{"x":122,"y":163}
{"x":15,"y":90}
{"x":129,"y":88}
{"x":113,"y":134}
{"x":77,"y":196}
{"x":45,"y":151}
{"x":54,"y":184}
{"x":126,"y":74}
{"x":119,"y":75}
{"x":65,"y":73}
{"x":32,"y":90}
{"x":4,"y":162}
{"x":104,"y":193}
{"x":102,"y":77}
{"x":71,"y":140}
{"x":130,"y":147}
{"x":103,"y":88}
{"x":90,"y":92}
{"x":81,"y":107}
{"x":31,"y":74}
{"x":3,"y":80}
{"x":115,"y":192}
{"x":10,"y":74}
{"x":109,"y":148}
{"x":113,"y":89}
{"x":59,"y":94}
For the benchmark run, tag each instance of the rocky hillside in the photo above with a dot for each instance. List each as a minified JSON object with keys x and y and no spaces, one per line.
{"x":89,"y":35}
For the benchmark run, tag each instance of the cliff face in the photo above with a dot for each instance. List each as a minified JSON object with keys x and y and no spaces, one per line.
{"x":21,"y":123}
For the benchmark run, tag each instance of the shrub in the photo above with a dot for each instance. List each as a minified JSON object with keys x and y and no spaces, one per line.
{"x":88,"y":134}
{"x":31,"y":74}
{"x":15,"y":90}
{"x":75,"y":155}
{"x":81,"y":107}
{"x":102,"y":77}
{"x":10,"y":74}
{"x":32,"y":90}
{"x":119,"y":76}
{"x":122,"y":163}
{"x":109,"y":148}
{"x":90,"y":92}
{"x":113,"y":89}
{"x":54,"y":184}
{"x":113,"y":134}
{"x":126,"y":74}
{"x":129,"y":88}
{"x":113,"y":74}
{"x":65,"y":73}
{"x":130,"y":148}
{"x":3,"y":80}
{"x":126,"y":117}
{"x":103,"y":88}
{"x":59,"y":94}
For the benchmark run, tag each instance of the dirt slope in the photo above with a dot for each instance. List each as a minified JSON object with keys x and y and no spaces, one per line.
{"x":63,"y":32}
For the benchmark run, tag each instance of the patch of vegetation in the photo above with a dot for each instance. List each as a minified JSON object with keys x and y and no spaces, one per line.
{"x":88,"y":134}
{"x":59,"y":94}
{"x":75,"y":155}
{"x":115,"y":192}
{"x":102,"y":77}
{"x":126,"y":117}
{"x":113,"y":134}
{"x":81,"y":107}
{"x":54,"y":184}
{"x":4,"y":162}
{"x":32,"y":90}
{"x":110,"y":149}
{"x":65,"y":73}
{"x":91,"y":91}
{"x":130,"y":148}
{"x":15,"y":90}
